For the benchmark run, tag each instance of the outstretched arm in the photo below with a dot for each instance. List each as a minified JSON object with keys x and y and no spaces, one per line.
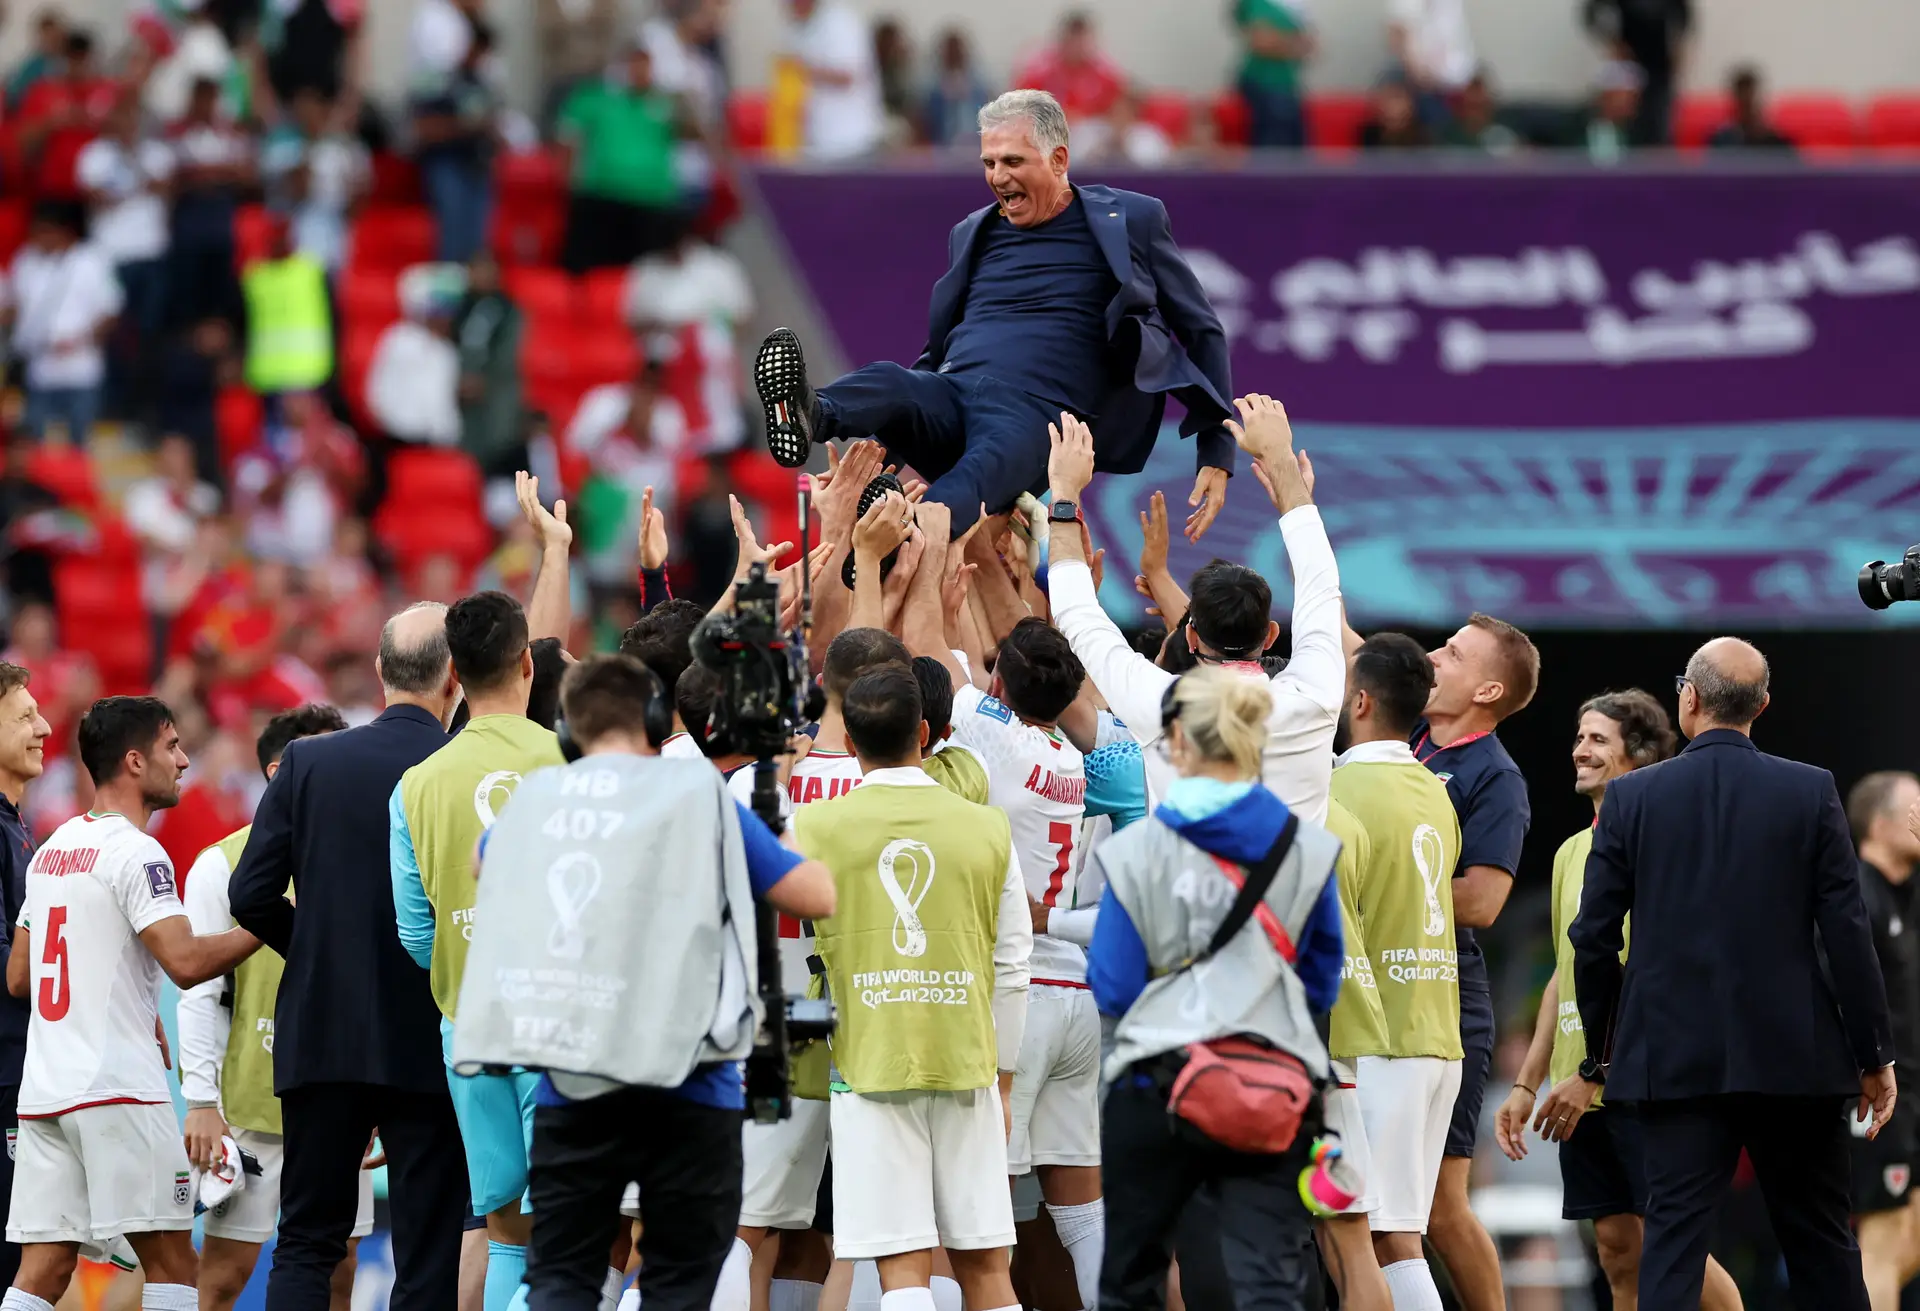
{"x":550,"y":609}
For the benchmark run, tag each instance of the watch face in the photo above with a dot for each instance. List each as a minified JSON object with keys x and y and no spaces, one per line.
{"x":1065,"y":511}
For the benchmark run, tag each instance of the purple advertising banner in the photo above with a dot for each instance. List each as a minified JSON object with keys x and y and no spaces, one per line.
{"x":1598,"y":397}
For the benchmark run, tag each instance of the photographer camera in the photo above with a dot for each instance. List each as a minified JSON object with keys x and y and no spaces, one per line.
{"x":603,"y":972}
{"x":1882,"y":584}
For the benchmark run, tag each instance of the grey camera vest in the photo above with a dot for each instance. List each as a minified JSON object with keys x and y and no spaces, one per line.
{"x":1177,"y":895}
{"x":613,"y":934}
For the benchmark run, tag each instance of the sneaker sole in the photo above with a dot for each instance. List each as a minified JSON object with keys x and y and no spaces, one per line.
{"x":780,"y":377}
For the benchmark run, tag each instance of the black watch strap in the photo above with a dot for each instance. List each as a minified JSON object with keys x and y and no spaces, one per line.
{"x":1592,"y":1071}
{"x":1064,"y":512}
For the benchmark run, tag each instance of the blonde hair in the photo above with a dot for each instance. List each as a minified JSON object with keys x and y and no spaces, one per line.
{"x":1224,"y":716}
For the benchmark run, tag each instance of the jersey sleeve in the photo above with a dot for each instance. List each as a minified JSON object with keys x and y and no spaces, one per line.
{"x":144,"y":885}
{"x":1117,"y":783}
{"x":767,"y":861}
{"x":203,"y":1023}
{"x":1012,"y":964}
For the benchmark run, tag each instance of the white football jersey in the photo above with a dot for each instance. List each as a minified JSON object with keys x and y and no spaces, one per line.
{"x":821,"y":776}
{"x":1039,"y":779}
{"x":94,"y":990}
{"x":681,"y":746}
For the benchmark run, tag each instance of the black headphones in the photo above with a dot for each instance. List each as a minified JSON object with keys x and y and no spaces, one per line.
{"x":656,"y":718}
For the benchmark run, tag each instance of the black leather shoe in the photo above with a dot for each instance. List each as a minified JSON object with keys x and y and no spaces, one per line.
{"x":780,"y":376}
{"x":882,"y":484}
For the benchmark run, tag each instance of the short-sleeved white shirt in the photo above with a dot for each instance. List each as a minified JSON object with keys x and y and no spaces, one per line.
{"x":63,"y":298}
{"x":842,"y":122}
{"x":131,"y":224}
{"x":94,"y":989}
{"x":1039,"y":779}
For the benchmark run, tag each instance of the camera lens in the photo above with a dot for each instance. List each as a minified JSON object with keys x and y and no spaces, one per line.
{"x":1880,"y":584}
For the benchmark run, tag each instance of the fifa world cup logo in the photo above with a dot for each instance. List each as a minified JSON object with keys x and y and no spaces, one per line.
{"x":909,"y":934}
{"x":573,"y":881}
{"x":1430,"y":858}
{"x":496,"y":787}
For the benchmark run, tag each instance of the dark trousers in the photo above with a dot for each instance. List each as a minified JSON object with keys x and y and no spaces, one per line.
{"x":327,"y":1127}
{"x":686,"y":1159}
{"x":1798,"y":1146}
{"x":459,"y":187}
{"x":1151,"y":1174}
{"x":974,"y":439}
{"x":1275,"y":117}
{"x":10,"y":1119}
{"x":604,"y":234}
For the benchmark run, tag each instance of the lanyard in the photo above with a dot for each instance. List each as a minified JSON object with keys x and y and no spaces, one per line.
{"x":1425,"y":737}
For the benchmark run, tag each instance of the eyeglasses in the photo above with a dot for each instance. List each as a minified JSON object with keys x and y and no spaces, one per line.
{"x":1680,"y":682}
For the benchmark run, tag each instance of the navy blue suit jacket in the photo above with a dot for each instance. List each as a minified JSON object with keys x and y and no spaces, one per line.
{"x":1737,"y":866}
{"x":353,"y":1007}
{"x":1165,"y":336}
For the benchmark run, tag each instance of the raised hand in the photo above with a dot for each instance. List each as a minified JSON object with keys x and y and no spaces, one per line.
{"x":884,"y":526}
{"x":751,"y":552}
{"x":1070,"y":462}
{"x":653,"y":533}
{"x":1209,"y":497}
{"x":1154,"y":538}
{"x":836,"y":494}
{"x":1263,"y":431}
{"x":550,"y":527}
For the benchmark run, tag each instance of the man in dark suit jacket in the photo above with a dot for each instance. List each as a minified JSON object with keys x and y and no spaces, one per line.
{"x":356,"y":1031}
{"x":1724,"y":1031}
{"x":1057,"y":298}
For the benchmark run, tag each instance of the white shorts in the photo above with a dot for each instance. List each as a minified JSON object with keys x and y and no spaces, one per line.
{"x":252,"y":1215}
{"x":1056,"y":1086}
{"x":782,"y":1166}
{"x":1343,"y":1117}
{"x":1407,"y":1103}
{"x":918,"y":1170}
{"x":100,"y":1171}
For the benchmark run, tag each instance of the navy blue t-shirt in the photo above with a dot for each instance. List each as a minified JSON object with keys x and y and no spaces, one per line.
{"x":1036,"y":311}
{"x":1490,"y":796}
{"x":719,"y":1084}
{"x":16,"y":853}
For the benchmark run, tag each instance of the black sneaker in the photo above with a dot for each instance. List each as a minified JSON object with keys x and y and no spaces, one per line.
{"x":882,"y":484}
{"x":780,"y":376}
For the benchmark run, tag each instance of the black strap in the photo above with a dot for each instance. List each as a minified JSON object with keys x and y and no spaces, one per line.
{"x":1260,"y":876}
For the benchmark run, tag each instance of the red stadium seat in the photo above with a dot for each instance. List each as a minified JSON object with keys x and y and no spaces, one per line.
{"x":237,"y":418}
{"x":370,"y":298}
{"x":1698,"y":116}
{"x":251,"y":226}
{"x":547,"y":364}
{"x":13,"y":227}
{"x":541,"y":293}
{"x":1334,"y":120}
{"x":1815,"y":121}
{"x":520,"y":174}
{"x":460,"y":531}
{"x":530,"y":231}
{"x":1169,"y":111}
{"x":67,"y":472}
{"x":601,"y":357}
{"x":86,"y":588}
{"x":122,"y":652}
{"x":1893,"y":122}
{"x":419,"y":476}
{"x":747,"y":120}
{"x":1232,"y":121}
{"x":603,"y":301}
{"x":392,"y":237}
{"x":396,"y":180}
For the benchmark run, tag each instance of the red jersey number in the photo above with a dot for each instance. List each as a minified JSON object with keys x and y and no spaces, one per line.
{"x":1061,"y":836}
{"x":56,"y":988}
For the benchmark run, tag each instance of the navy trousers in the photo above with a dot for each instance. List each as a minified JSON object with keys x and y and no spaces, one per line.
{"x":974,"y":439}
{"x":1798,"y":1146}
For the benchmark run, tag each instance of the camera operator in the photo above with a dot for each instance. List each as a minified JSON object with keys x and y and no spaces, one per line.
{"x":638,"y":916}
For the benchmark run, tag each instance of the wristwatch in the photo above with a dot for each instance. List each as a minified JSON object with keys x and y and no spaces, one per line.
{"x":1592,"y":1071}
{"x":1064,"y":512}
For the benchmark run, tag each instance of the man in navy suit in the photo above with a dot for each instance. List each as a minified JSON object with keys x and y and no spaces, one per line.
{"x":1059,"y":297}
{"x":1725,"y":1030}
{"x":356,"y":1031}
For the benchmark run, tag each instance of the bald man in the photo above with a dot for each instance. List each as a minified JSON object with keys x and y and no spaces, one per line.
{"x":356,"y":1031}
{"x":1723,"y":1031}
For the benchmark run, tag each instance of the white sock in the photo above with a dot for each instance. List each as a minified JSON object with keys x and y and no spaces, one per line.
{"x":946,"y":1294}
{"x":734,"y":1291}
{"x":1083,"y":1232}
{"x":1411,"y":1284}
{"x":610,"y":1291}
{"x":793,"y":1295}
{"x":864,"y":1295}
{"x":630,"y":1300}
{"x":167,"y":1297}
{"x":907,"y":1299}
{"x":17,"y":1300}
